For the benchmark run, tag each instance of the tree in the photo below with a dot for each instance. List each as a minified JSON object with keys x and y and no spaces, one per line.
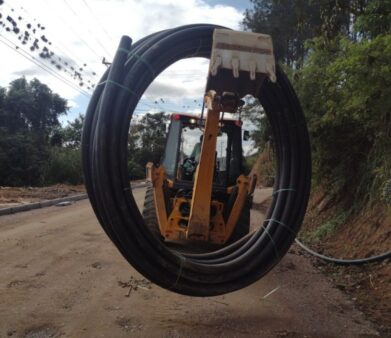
{"x":345,"y":93}
{"x":65,"y":153}
{"x":146,"y":143}
{"x":261,"y":131}
{"x":32,"y":106}
{"x":29,"y":113}
{"x":374,"y":18}
{"x":72,"y":132}
{"x":338,"y":55}
{"x":290,"y":23}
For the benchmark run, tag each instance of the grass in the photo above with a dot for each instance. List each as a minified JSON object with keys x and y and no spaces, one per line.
{"x":327,"y":229}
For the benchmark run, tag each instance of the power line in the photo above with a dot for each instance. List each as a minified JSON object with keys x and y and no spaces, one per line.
{"x":27,"y":13}
{"x":54,"y":10}
{"x":97,"y":20}
{"x":42,"y":66}
{"x":69,"y":60}
{"x":92,"y":33}
{"x":51,"y":71}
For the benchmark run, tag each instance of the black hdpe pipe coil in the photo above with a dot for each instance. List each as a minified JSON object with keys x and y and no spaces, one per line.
{"x":104,"y":153}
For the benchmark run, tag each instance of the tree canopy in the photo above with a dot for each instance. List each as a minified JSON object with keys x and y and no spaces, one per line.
{"x":338,"y":56}
{"x":146,"y":142}
{"x":34,"y":148}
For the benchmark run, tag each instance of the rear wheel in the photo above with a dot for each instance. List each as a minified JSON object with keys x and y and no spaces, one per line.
{"x":149,"y":213}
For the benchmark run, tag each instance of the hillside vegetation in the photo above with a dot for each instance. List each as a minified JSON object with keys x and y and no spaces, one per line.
{"x":338,"y":57}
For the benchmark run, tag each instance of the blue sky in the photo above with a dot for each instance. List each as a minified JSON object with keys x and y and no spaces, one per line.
{"x":241,"y":5}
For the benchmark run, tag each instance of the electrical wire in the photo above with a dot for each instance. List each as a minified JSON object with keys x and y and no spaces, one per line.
{"x":98,"y":21}
{"x":71,"y":28}
{"x":88,"y":29}
{"x":65,"y":52}
{"x":104,"y":149}
{"x":43,"y":66}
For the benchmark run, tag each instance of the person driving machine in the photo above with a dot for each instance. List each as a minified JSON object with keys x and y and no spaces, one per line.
{"x":190,"y":164}
{"x":196,"y":153}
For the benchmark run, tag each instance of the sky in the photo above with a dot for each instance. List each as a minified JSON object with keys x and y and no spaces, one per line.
{"x":80,"y":33}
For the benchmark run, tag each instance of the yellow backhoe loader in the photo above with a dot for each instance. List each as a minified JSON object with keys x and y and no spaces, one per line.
{"x":200,"y":194}
{"x":199,"y":191}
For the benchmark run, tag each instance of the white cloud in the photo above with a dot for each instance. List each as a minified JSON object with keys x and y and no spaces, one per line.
{"x":85,"y":36}
{"x":73,"y":104}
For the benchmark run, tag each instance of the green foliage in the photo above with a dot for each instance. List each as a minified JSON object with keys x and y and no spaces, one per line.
{"x":29,"y":113}
{"x":249,"y":162}
{"x":146,"y":143}
{"x":261,"y":132}
{"x":136,"y":170}
{"x":338,"y":56}
{"x":64,"y":166}
{"x":22,"y":160}
{"x":329,"y":228}
{"x":289,"y":23}
{"x":31,"y":106}
{"x":34,"y":148}
{"x":345,"y":91}
{"x":375,"y":19}
{"x":71,"y":134}
{"x":292,"y":23}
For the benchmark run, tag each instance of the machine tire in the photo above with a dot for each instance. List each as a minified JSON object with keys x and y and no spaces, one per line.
{"x":149,"y":213}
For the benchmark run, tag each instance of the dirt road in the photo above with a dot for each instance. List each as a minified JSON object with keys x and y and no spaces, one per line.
{"x":62,"y":277}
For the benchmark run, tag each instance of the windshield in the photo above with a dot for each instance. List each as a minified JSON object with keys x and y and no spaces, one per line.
{"x":190,"y":151}
{"x":183,"y":150}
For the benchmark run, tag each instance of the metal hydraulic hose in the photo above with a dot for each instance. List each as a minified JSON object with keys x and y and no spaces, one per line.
{"x":104,"y":157}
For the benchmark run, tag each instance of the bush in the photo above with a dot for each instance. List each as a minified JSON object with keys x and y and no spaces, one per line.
{"x":329,"y":228}
{"x":64,"y":166}
{"x":23,"y":162}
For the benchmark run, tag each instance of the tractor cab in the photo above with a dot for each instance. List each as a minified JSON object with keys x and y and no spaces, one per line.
{"x":183,"y":149}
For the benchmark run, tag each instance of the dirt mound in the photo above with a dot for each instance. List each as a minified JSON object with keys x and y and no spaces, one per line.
{"x":11,"y":196}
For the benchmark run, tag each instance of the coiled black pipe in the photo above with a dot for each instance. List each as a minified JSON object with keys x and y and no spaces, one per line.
{"x":104,"y":153}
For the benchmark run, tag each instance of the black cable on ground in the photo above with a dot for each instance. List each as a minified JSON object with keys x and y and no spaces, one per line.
{"x":104,"y":152}
{"x":341,"y":261}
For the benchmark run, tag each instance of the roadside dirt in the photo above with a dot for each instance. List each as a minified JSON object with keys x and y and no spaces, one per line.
{"x":367,"y":234}
{"x":62,"y":277}
{"x":11,"y":196}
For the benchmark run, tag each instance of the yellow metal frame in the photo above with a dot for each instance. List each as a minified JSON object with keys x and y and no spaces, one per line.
{"x":243,"y":184}
{"x":172,"y":227}
{"x":199,"y":221}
